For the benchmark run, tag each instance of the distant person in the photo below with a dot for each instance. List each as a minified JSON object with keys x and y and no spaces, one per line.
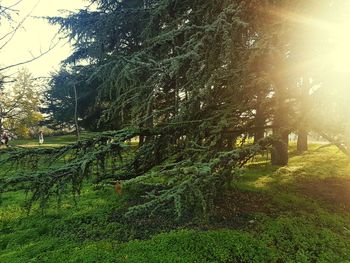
{"x":5,"y":138}
{"x":41,"y":137}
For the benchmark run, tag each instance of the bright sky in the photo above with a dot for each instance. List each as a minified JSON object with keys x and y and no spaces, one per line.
{"x":36,"y":35}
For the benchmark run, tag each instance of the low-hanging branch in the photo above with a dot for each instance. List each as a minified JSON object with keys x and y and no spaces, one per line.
{"x":108,"y":155}
{"x":181,"y":78}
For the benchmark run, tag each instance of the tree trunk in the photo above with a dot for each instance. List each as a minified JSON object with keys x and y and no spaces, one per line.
{"x":304,"y":110}
{"x":347,"y":129}
{"x":347,"y":136}
{"x":259,"y":134}
{"x":76,"y":113}
{"x":1,"y":118}
{"x":149,"y":118}
{"x":141,"y":140}
{"x":302,"y":141}
{"x":279,"y":153}
{"x":259,"y":122}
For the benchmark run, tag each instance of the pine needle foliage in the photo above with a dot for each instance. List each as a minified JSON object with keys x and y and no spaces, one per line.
{"x":176,"y":75}
{"x":192,"y":182}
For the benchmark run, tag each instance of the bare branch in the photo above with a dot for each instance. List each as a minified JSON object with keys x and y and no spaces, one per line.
{"x":335,"y":142}
{"x":4,"y":9}
{"x":52,"y":46}
{"x":13,"y":80}
{"x":6,"y":35}
{"x":7,"y":11}
{"x":19,"y":25}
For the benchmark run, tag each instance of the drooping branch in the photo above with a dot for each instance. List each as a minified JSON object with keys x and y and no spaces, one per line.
{"x":97,"y":157}
{"x":335,"y":142}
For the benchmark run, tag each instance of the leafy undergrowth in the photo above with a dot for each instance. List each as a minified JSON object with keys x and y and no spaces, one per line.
{"x":298,"y":213}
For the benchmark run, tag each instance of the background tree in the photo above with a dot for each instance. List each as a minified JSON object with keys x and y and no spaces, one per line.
{"x":11,"y":23}
{"x":179,"y":81}
{"x":184,"y":82}
{"x":20,"y":105}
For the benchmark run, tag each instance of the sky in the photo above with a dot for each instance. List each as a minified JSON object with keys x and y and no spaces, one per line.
{"x":36,"y":35}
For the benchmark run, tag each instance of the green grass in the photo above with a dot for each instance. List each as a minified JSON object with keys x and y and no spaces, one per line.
{"x":50,"y":141}
{"x":284,"y":217}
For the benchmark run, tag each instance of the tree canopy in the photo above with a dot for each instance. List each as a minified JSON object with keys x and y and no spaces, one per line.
{"x":192,"y":81}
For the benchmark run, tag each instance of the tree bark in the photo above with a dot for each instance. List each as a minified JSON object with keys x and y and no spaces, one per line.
{"x":304,"y":111}
{"x":302,"y":141}
{"x":76,"y":113}
{"x":279,"y":153}
{"x":259,"y":134}
{"x":259,"y":121}
{"x":347,"y":129}
{"x":149,"y":118}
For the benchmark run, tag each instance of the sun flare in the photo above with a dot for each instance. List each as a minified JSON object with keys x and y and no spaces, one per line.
{"x":340,"y":40}
{"x":327,"y":48}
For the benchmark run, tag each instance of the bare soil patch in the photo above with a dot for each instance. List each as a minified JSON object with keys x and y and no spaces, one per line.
{"x":334,"y":191}
{"x":237,"y":208}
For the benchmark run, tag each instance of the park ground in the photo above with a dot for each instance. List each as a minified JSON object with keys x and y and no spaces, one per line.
{"x":297,"y":213}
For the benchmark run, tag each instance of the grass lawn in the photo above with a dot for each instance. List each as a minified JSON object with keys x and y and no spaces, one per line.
{"x":49,"y":141}
{"x":297,"y":213}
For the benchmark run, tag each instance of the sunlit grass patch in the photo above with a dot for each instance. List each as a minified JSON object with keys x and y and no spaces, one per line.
{"x":50,"y":141}
{"x":318,"y":162}
{"x":282,"y":224}
{"x":36,"y":145}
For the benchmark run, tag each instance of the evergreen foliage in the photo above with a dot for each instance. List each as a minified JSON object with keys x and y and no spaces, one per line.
{"x":193,"y":178}
{"x":190,"y":79}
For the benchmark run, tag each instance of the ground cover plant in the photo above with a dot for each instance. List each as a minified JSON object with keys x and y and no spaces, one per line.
{"x":186,"y":131}
{"x":270,"y":214}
